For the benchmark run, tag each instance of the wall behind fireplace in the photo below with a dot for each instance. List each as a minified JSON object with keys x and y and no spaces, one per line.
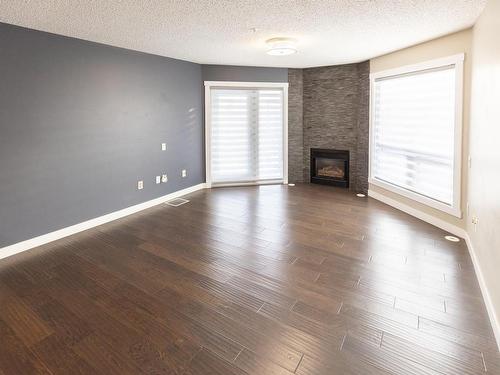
{"x":332,"y":113}
{"x":295,"y":126}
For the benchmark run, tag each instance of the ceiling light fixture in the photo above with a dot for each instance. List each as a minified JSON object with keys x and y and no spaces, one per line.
{"x":281,"y":46}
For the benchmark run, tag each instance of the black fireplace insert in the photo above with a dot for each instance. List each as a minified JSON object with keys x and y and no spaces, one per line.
{"x":330,"y":167}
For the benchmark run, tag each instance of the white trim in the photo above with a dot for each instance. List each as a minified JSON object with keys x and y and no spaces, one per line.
{"x":457,"y":61}
{"x":490,"y":308}
{"x":256,"y":85}
{"x":285,"y":134}
{"x":208,"y":126}
{"x":61,"y":233}
{"x":425,"y":65}
{"x":208,"y":136}
{"x":247,"y":183}
{"x":417,"y":197}
{"x":457,"y":231}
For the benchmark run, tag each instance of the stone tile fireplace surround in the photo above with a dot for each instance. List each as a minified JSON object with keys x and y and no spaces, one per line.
{"x":328,"y":109}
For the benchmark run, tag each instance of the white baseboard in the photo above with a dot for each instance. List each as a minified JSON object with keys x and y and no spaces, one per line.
{"x":490,"y":308}
{"x":457,"y":231}
{"x":58,"y":234}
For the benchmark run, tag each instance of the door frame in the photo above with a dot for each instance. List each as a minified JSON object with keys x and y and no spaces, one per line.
{"x":208,"y":126}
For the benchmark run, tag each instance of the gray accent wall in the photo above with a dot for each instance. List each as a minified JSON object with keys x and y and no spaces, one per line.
{"x":243,"y":73}
{"x":81,"y":123}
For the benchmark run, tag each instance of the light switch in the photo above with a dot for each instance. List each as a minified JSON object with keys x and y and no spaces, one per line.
{"x":184,"y":173}
{"x":140,"y":185}
{"x":158,"y":179}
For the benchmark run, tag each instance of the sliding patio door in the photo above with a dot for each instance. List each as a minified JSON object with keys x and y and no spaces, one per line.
{"x":246,"y":129}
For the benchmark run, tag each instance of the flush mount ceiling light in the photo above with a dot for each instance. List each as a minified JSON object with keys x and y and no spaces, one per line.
{"x":281,"y":46}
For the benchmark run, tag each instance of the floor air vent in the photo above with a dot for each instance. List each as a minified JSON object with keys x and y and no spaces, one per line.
{"x":177,"y":202}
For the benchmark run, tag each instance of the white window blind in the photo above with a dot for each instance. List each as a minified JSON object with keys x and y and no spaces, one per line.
{"x":246,"y":135}
{"x":414,"y":133}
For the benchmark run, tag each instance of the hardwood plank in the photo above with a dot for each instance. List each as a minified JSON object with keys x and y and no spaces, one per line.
{"x":205,"y":363}
{"x":429,"y":358}
{"x":252,"y":338}
{"x":136,"y":338}
{"x":258,"y":280}
{"x":466,"y":322}
{"x":295,"y":334}
{"x":384,"y":359}
{"x":461,"y":337}
{"x":251,"y":363}
{"x":61,"y":359}
{"x":26,"y":324}
{"x":163,"y":311}
{"x":337,"y":363}
{"x":15,"y":357}
{"x":95,"y":350}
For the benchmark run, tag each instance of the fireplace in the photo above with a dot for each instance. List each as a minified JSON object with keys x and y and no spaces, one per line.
{"x":330,"y":167}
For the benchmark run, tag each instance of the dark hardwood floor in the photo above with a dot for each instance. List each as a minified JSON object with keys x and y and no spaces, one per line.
{"x":259,"y":280}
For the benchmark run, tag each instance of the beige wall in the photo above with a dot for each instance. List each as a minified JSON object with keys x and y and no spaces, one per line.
{"x":484,"y":177}
{"x":460,"y":42}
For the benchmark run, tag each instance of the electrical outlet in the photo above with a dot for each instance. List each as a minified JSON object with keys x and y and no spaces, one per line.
{"x":158,"y":179}
{"x":140,"y":185}
{"x":164,"y":178}
{"x":163,"y":146}
{"x":184,"y":173}
{"x":475,"y":221}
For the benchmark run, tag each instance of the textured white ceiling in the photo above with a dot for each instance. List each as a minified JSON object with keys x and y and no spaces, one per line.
{"x":220,"y":31}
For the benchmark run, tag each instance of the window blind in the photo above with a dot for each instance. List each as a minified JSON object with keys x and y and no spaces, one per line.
{"x":413,"y":132}
{"x":247,"y":135}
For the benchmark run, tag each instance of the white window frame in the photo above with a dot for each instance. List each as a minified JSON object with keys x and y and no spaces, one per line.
{"x":457,"y":61}
{"x":208,"y":127}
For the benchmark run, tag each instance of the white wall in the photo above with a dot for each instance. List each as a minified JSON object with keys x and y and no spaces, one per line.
{"x":484,"y":144}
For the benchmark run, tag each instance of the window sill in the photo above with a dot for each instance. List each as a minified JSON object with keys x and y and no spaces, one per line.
{"x":451,"y":210}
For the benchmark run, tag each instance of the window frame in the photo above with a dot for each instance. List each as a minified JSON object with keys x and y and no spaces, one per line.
{"x":208,"y":128}
{"x":458,"y":61}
